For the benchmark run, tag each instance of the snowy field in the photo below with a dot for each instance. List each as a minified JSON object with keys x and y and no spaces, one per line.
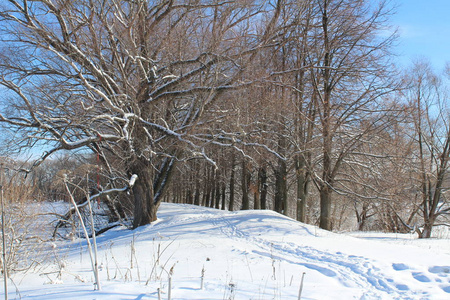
{"x":243,"y":255}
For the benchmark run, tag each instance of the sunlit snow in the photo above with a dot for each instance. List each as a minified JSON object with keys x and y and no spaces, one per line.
{"x":243,"y":255}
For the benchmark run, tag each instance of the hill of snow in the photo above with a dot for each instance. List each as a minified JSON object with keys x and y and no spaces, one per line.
{"x":243,"y":255}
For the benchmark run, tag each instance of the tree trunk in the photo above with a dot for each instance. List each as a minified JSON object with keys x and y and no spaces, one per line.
{"x":231,"y":204}
{"x":256,"y":196}
{"x":262,"y":175}
{"x":363,"y":216}
{"x":207,"y":194}
{"x":427,"y":227}
{"x":197,"y":193}
{"x":176,"y":196}
{"x":327,"y":138}
{"x":144,"y":206}
{"x":223,"y":195}
{"x":245,"y":185}
{"x":281,"y":187}
{"x":212,"y":184}
{"x":149,"y":189}
{"x":302,"y":188}
{"x":325,"y":208}
{"x":217,"y":204}
{"x":189,"y":198}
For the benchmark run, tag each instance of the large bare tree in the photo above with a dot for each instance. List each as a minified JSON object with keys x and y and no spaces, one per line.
{"x":129,"y":79}
{"x":351,"y":78}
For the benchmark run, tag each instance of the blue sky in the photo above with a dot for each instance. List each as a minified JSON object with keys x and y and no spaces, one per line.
{"x":424,"y":27}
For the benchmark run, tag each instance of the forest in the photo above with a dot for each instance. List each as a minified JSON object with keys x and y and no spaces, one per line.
{"x":294,"y":106}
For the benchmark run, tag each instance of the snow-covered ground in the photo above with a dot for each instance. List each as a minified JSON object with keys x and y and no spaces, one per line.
{"x":243,"y":255}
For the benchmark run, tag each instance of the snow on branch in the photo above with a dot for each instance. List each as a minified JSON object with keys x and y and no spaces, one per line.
{"x":132,"y":180}
{"x":130,"y":185}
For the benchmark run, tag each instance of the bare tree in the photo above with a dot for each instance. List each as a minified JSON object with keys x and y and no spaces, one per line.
{"x":432,"y":135}
{"x":130,"y":80}
{"x":350,"y":79}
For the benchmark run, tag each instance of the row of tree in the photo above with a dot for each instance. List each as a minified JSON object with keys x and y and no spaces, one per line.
{"x":294,"y":106}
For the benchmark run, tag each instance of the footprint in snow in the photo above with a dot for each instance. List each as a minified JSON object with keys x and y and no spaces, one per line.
{"x":402,"y":287}
{"x":442,"y":271}
{"x":420,"y":277}
{"x":400,"y":267}
{"x":378,"y":283}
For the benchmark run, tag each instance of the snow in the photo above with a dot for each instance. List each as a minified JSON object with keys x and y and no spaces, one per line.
{"x":132,"y":180}
{"x":244,"y":255}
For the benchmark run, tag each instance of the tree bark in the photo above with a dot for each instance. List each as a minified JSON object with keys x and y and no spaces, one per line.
{"x":223,"y":196}
{"x":144,"y":205}
{"x":207,"y":194}
{"x":197,"y":192}
{"x":302,"y":188}
{"x":325,"y":186}
{"x":217,"y":202}
{"x":325,"y":209}
{"x":231,"y":204}
{"x":189,"y":198}
{"x":281,"y":187}
{"x":149,"y":189}
{"x":245,"y":185}
{"x":257,"y":193}
{"x":212,"y":184}
{"x":262,"y":174}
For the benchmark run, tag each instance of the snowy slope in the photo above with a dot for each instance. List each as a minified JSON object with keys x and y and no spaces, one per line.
{"x":244,"y":255}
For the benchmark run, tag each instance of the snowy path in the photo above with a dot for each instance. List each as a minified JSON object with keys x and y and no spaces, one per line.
{"x":351,"y":271}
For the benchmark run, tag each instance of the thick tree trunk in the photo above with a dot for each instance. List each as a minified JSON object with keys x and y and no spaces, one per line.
{"x":149,"y":189}
{"x":144,"y":205}
{"x":325,"y":208}
{"x":427,"y":228}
